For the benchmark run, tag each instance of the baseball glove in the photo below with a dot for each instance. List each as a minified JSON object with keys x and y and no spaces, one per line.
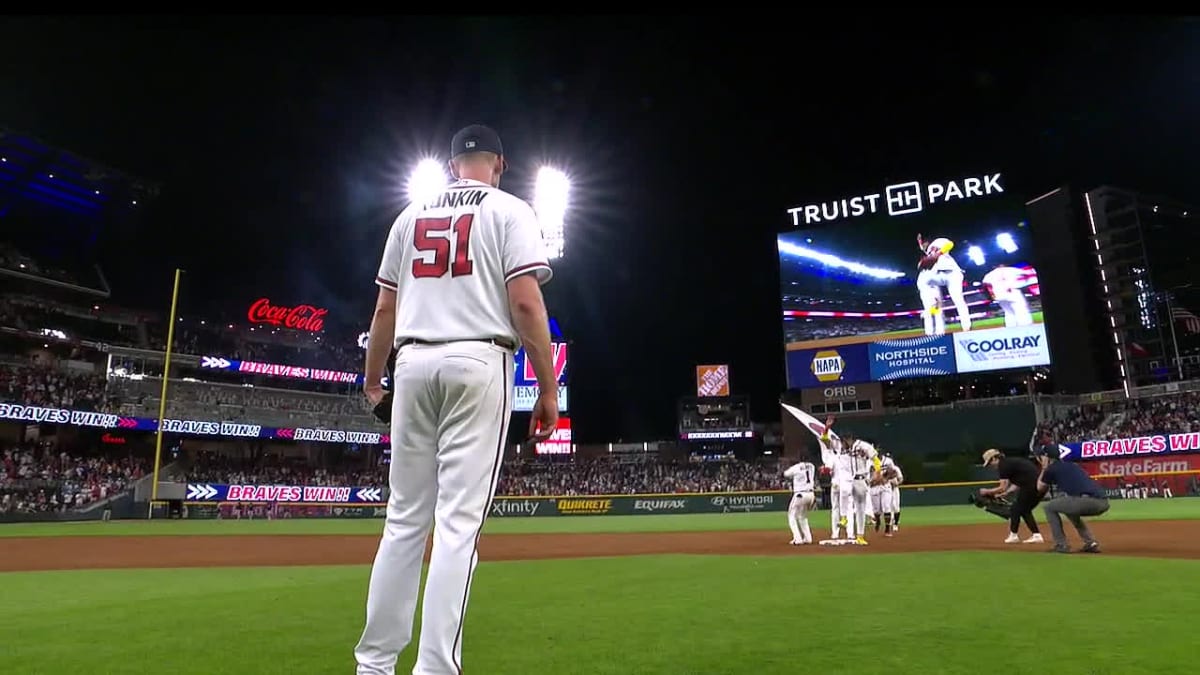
{"x":383,"y":409}
{"x":997,"y":506}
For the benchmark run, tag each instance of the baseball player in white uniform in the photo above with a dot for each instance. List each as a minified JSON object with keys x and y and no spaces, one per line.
{"x":803,"y":475}
{"x":831,"y":456}
{"x":896,"y":483}
{"x":860,"y":456}
{"x":459,"y":290}
{"x":939,"y":270}
{"x":1004,"y":284}
{"x":883,"y":492}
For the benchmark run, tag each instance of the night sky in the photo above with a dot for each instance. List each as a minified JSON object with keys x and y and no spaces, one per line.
{"x":281,"y":146}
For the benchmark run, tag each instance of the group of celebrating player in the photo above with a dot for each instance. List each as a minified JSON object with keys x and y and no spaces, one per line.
{"x":938,"y":271}
{"x":864,"y":487}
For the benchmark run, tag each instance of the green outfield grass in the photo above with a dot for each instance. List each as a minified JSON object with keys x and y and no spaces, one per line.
{"x":916,"y":516}
{"x":953,"y":327}
{"x":906,"y":613}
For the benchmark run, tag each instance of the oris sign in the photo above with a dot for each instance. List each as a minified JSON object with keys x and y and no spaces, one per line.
{"x":300,"y":317}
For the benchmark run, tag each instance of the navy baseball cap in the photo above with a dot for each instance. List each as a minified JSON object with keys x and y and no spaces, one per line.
{"x":476,"y":138}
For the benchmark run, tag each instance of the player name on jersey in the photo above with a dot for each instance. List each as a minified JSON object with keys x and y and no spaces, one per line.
{"x":457,"y":198}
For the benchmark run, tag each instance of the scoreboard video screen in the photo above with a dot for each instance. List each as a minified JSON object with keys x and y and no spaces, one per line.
{"x":912,"y":280}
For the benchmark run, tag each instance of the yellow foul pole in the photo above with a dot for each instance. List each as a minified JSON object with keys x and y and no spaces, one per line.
{"x":162,"y":401}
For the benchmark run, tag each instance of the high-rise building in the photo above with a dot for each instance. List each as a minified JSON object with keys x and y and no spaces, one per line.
{"x":1148,"y":282}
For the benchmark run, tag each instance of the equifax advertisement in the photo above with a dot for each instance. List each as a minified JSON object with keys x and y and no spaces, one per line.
{"x":83,"y":418}
{"x":1158,"y":445}
{"x":291,"y":494}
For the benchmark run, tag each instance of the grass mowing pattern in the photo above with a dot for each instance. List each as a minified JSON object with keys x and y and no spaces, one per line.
{"x":940,"y":613}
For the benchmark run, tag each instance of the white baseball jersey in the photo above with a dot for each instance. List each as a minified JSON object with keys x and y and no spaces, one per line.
{"x":802,"y":475}
{"x":461,"y":248}
{"x":1005,"y":282}
{"x":946,"y":263}
{"x":861,"y":454}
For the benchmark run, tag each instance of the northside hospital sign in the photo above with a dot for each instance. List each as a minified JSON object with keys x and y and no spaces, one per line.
{"x":899,"y":199}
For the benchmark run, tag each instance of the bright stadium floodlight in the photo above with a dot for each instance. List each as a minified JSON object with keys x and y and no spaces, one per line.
{"x":830,"y":260}
{"x":976,"y":255}
{"x":551,"y":196}
{"x":426,"y":180}
{"x":1005,"y":241}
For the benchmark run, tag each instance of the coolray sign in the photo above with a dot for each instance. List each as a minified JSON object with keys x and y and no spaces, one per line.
{"x":524,"y":396}
{"x":559,"y":442}
{"x":306,"y":494}
{"x":912,"y":357}
{"x":999,"y":348}
{"x":1158,"y":444}
{"x":280,"y":370}
{"x":38,"y":415}
{"x":83,"y":418}
{"x":300,"y":317}
{"x":897,"y":199}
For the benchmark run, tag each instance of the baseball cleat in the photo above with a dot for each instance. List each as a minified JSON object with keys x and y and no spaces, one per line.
{"x":843,"y":522}
{"x":1035,"y":539}
{"x":887,"y":534}
{"x":1059,"y":549}
{"x":1093,"y":547}
{"x":1012,"y":539}
{"x":861,"y":541}
{"x":795,"y":543}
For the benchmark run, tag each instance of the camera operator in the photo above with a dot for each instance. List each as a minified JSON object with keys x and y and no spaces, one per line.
{"x":1018,"y":475}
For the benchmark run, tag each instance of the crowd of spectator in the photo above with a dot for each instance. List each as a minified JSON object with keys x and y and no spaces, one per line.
{"x":233,"y":403}
{"x":37,"y":478}
{"x":610,"y":477}
{"x":1175,"y":414}
{"x":263,"y":344}
{"x":50,"y":388}
{"x":19,"y":261}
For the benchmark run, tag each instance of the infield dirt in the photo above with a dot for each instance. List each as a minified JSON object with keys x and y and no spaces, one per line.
{"x":1158,"y":539}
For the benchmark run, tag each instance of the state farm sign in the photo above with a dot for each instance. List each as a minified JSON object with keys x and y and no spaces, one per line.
{"x":300,"y":317}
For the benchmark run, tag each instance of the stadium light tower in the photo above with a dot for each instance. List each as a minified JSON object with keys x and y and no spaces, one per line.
{"x":426,"y":180}
{"x":551,"y":197}
{"x":1005,"y":241}
{"x":976,"y":255}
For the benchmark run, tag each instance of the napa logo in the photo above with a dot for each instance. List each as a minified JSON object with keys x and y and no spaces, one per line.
{"x":827,"y":365}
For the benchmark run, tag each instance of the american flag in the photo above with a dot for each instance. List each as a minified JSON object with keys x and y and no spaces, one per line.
{"x":1191,"y":322}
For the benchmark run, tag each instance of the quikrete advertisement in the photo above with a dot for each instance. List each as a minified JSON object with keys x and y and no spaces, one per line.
{"x":626,"y":505}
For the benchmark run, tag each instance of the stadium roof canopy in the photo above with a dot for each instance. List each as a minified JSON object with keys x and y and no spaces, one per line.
{"x":54,"y":204}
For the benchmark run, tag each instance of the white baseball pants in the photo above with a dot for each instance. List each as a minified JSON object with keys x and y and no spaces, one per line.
{"x":798,"y":510}
{"x":1016,"y":311}
{"x":450,"y":413}
{"x":858,"y":498}
{"x":882,"y":499}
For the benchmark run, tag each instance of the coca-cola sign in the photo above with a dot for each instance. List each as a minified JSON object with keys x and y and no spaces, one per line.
{"x":300,"y":317}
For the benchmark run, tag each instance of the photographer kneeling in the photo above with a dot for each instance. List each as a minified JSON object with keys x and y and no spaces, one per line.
{"x":1078,"y":495}
{"x":1019,"y":475}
